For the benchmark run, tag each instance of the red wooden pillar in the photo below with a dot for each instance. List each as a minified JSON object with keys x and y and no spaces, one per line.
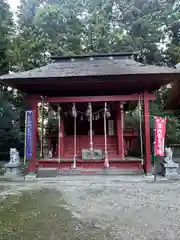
{"x":147,"y":163}
{"x":118,"y":124}
{"x":32,"y":162}
{"x":61,"y":139}
{"x":120,"y":130}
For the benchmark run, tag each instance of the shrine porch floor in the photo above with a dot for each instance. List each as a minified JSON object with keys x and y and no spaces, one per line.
{"x":114,"y":159}
{"x":131,"y":163}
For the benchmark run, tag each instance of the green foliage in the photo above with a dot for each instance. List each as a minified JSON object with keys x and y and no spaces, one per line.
{"x":75,"y":27}
{"x":6,"y":24}
{"x":173,"y":33}
{"x":11,"y":130}
{"x":25,"y":55}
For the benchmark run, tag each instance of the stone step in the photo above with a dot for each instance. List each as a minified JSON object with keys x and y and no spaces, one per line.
{"x":47,"y":172}
{"x":100,"y":171}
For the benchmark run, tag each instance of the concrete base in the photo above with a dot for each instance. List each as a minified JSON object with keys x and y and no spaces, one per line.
{"x":30,"y":176}
{"x":13,"y":170}
{"x":47,"y":172}
{"x":11,"y":175}
{"x":149,"y":177}
{"x":170,"y":171}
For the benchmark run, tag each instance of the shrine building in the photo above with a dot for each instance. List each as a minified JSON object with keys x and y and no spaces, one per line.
{"x":89,"y":97}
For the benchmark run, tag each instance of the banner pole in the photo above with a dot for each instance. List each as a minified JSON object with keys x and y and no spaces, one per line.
{"x":25,"y":142}
{"x":159,"y":140}
{"x":59,"y":133}
{"x":154,"y":131}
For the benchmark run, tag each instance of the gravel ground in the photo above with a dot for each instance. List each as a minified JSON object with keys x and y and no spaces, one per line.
{"x":115,"y":209}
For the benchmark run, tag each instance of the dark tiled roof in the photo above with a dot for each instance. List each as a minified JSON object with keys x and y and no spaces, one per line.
{"x":95,"y":67}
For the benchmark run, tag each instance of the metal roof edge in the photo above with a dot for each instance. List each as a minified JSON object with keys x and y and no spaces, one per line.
{"x":102,"y":55}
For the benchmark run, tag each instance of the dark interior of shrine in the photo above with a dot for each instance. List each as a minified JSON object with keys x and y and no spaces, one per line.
{"x":82,"y":121}
{"x":83,"y":126}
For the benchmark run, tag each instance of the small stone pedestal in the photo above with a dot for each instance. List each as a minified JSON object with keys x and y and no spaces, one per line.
{"x":96,"y":154}
{"x":170,"y":170}
{"x":12,"y":169}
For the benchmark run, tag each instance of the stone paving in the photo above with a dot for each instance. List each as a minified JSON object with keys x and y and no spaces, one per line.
{"x":127,"y":210}
{"x":115,"y":207}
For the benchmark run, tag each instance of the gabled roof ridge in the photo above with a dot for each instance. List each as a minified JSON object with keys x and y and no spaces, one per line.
{"x":94,"y":55}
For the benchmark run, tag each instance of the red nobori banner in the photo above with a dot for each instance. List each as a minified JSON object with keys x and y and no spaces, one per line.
{"x":160,"y":131}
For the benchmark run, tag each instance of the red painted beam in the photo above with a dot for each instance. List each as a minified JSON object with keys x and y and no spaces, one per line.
{"x":133,"y":97}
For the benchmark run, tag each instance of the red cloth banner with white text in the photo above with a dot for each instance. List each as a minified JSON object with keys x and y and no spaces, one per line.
{"x":160,"y":131}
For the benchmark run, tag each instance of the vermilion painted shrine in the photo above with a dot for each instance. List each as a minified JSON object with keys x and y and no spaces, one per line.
{"x":90,"y":95}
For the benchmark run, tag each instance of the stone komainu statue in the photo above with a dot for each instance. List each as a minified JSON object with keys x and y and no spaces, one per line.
{"x":13,"y":166}
{"x":14,"y":155}
{"x":169,"y":155}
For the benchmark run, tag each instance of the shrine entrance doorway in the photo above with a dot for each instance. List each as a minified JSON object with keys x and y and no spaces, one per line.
{"x":84,"y":130}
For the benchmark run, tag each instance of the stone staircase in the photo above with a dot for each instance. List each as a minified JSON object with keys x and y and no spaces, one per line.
{"x":83,"y":143}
